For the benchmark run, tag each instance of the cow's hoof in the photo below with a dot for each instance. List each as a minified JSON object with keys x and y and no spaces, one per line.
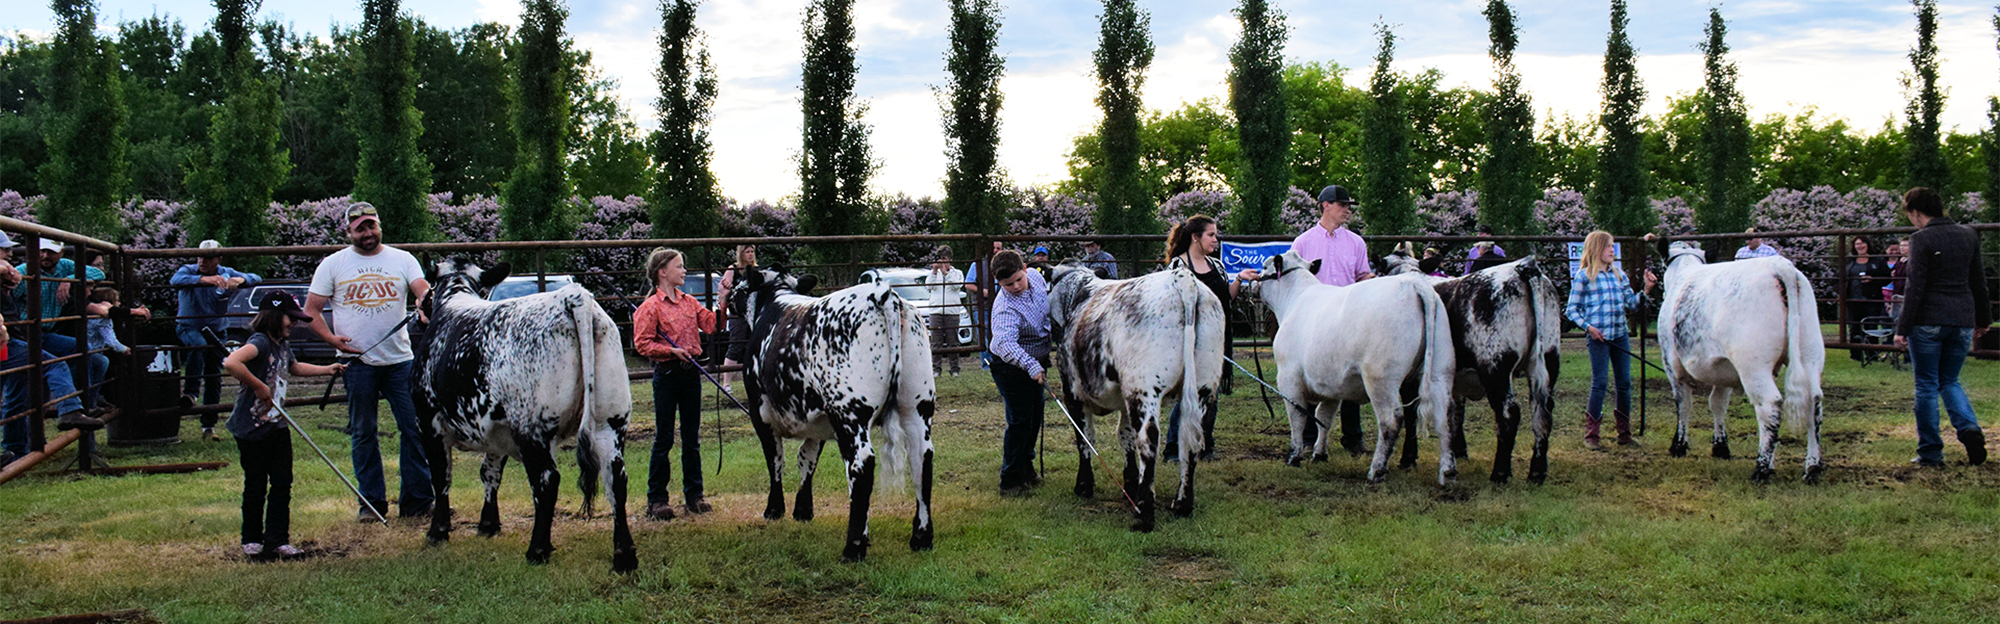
{"x":854,"y":553}
{"x":776,"y":512}
{"x":1085,"y":490}
{"x":1183,"y":507}
{"x":1320,"y":458}
{"x":920,"y":541}
{"x":437,"y":537}
{"x":1143,"y":525}
{"x":1678,"y":449}
{"x":1458,"y":454}
{"x":489,"y":530}
{"x":1538,"y":478}
{"x":1294,"y":460}
{"x":1815,"y":473}
{"x":1719,"y":451}
{"x":803,"y":514}
{"x":624,"y":560}
{"x":540,"y":554}
{"x":1501,"y":477}
{"x":1762,"y":474}
{"x":1375,"y":475}
{"x":1407,"y":463}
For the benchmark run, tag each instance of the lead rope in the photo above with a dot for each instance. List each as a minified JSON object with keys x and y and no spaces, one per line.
{"x":1093,"y":447}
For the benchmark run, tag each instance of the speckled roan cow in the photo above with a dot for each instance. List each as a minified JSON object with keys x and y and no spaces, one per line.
{"x":834,"y":367}
{"x":1121,"y":346}
{"x":516,"y":378}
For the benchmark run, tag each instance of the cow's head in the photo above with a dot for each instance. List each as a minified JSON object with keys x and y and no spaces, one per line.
{"x":757,"y":287}
{"x":1402,"y":260}
{"x":1276,"y":267}
{"x":455,"y":276}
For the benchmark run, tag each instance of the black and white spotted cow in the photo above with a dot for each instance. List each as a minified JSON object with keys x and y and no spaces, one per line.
{"x":1729,"y":326}
{"x":515,"y":378}
{"x":1122,"y":345}
{"x":1505,"y":323}
{"x":835,"y":367}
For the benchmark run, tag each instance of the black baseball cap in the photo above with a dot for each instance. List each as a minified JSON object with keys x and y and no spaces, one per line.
{"x":1335,"y":193}
{"x":283,"y":302}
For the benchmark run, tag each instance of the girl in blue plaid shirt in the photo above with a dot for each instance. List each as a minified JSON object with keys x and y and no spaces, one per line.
{"x":1599,"y":297}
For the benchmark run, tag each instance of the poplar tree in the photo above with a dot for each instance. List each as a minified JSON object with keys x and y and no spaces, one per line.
{"x":1992,"y":146}
{"x":684,"y":196}
{"x":534,"y":205}
{"x":1124,"y":51}
{"x":392,"y":172}
{"x":234,"y":179}
{"x":83,"y":126}
{"x":1263,"y":126}
{"x":1507,"y":184}
{"x":1387,"y":205}
{"x":975,"y":199}
{"x":834,"y":164}
{"x":1725,"y":139}
{"x":1925,"y":161}
{"x":1618,"y":199}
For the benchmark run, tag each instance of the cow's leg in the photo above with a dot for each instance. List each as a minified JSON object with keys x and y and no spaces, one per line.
{"x":1184,"y":496}
{"x":851,"y":433}
{"x":1300,"y":415}
{"x":774,"y":505}
{"x":1718,"y":406}
{"x":916,"y":446}
{"x":540,"y":462}
{"x":1544,"y":401}
{"x":1814,"y":469}
{"x":1763,"y":394}
{"x":1382,"y":401}
{"x":1140,"y":429}
{"x":608,"y":444}
{"x":1455,"y":412}
{"x":1506,"y":426}
{"x":434,"y":447}
{"x":491,"y":469}
{"x":1086,"y":476}
{"x":1323,"y":418}
{"x":802,"y":509}
{"x":1683,"y":410}
{"x":1408,"y":413}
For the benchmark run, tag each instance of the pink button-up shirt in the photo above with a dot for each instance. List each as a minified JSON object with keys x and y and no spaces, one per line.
{"x":1343,"y":257}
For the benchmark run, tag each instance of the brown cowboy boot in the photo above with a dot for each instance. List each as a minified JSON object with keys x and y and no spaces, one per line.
{"x":1624,"y":423}
{"x":1591,"y":422}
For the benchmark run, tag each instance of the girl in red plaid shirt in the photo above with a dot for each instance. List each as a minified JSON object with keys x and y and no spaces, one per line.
{"x":667,"y":329}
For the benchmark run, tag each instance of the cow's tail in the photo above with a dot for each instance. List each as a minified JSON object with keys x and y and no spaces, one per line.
{"x":1805,"y":351}
{"x":900,"y":441}
{"x":1192,"y":371}
{"x":1439,"y":362}
{"x":1540,"y":373}
{"x":588,"y":467}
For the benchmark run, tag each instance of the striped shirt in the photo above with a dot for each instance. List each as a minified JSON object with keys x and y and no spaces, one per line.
{"x":1761,"y":251}
{"x":1601,"y":302}
{"x":1021,"y":325}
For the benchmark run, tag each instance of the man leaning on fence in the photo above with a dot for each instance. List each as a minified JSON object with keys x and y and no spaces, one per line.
{"x":14,"y":433}
{"x":370,"y":286}
{"x":204,"y":289}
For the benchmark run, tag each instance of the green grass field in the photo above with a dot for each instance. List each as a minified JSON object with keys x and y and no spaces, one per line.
{"x":1626,"y":535}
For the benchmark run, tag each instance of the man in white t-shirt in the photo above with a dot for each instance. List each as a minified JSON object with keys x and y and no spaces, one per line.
{"x":946,"y":284}
{"x":370,"y":286}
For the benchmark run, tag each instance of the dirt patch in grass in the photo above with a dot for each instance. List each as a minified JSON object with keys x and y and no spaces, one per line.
{"x":1188,"y":565}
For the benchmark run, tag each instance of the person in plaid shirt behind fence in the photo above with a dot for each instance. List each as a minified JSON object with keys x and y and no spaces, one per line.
{"x":1599,"y":297}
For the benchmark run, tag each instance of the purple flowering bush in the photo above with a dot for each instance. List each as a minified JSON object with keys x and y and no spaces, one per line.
{"x":611,"y":271}
{"x":912,"y":216}
{"x":1052,"y":214}
{"x":1821,"y":208}
{"x":761,"y":219}
{"x":1217,"y":204}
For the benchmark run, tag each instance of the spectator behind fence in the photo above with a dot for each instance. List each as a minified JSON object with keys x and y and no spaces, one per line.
{"x":982,"y":300}
{"x":943,"y":284}
{"x":263,"y":443}
{"x":56,"y":295}
{"x":1343,"y":261}
{"x":667,"y":329}
{"x":738,"y":335}
{"x":1755,"y":247}
{"x":1945,"y":309}
{"x":1862,"y":291}
{"x":104,"y":309}
{"x":1095,"y":257}
{"x":204,"y":290}
{"x":14,"y":433}
{"x":1484,"y":253}
{"x":370,"y":285}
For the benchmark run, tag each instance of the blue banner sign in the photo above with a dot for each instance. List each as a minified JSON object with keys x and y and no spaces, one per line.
{"x":1576,"y":256}
{"x":1239,"y":256}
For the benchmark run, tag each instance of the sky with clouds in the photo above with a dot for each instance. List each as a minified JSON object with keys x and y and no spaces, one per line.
{"x":1844,"y":57}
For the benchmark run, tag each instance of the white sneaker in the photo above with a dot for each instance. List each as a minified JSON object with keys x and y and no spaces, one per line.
{"x":252,"y":550}
{"x":288,"y":550}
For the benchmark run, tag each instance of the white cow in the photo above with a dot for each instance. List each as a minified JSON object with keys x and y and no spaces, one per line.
{"x":1729,"y":327}
{"x":1357,"y":343}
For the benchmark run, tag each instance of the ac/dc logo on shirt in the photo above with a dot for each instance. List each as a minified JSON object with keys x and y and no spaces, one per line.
{"x":370,"y":292}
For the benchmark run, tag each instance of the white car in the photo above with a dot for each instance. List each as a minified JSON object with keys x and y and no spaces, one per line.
{"x":909,"y":284}
{"x":524,"y":285}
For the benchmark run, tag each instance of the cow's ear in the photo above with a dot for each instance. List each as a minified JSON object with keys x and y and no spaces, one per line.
{"x":1277,"y":264}
{"x":1313,"y":268}
{"x":807,"y":283}
{"x":493,"y":276}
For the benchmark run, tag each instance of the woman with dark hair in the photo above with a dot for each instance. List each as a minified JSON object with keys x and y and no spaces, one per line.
{"x":1945,"y":308}
{"x":1194,"y":245}
{"x":1865,"y":276}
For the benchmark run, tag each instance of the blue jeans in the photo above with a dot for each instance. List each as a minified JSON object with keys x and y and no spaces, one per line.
{"x":1173,"y":434}
{"x":1023,"y":398}
{"x":14,"y":435}
{"x":365,"y":386}
{"x":100,"y":365}
{"x":1605,"y":362}
{"x":1937,"y":353}
{"x":202,"y":373}
{"x":676,"y":388}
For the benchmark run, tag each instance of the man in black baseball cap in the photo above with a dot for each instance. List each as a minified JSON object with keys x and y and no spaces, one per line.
{"x":1343,"y":261}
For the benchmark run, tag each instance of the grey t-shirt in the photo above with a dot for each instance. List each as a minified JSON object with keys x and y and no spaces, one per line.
{"x":272,"y":365}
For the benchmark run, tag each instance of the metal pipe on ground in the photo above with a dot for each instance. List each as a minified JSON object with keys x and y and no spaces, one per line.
{"x":55,"y":444}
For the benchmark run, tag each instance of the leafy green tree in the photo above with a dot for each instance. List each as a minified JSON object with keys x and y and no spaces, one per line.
{"x":1927,"y":166}
{"x":535,"y":202}
{"x":1507,"y":185}
{"x":1193,"y":148}
{"x":1618,"y":199}
{"x":464,"y":106}
{"x":233,"y":180}
{"x":1725,"y":139}
{"x":608,"y":155}
{"x":1447,"y":132}
{"x":1326,"y":117}
{"x":84,"y":176}
{"x":975,"y":188}
{"x":1124,"y":51}
{"x":1264,"y":133}
{"x":1388,"y":204}
{"x":316,"y":83}
{"x":23,"y":65}
{"x":158,"y":139}
{"x":834,"y":165}
{"x":1991,"y":149}
{"x":684,"y":196}
{"x":392,"y":172}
